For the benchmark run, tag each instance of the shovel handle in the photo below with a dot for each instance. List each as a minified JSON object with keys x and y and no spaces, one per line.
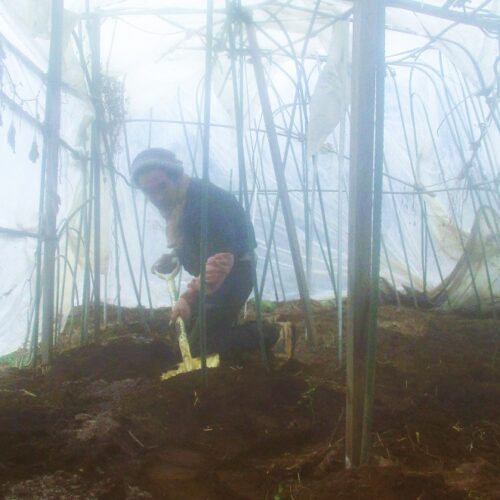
{"x":179,"y":322}
{"x":184,"y":344}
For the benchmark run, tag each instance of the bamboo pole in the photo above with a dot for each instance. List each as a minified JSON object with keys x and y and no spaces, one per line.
{"x":368,"y":30}
{"x":74,"y":291}
{"x":94,"y":29}
{"x":140,"y":233}
{"x":340,"y":246}
{"x":378,"y":178}
{"x":244,"y":185}
{"x":477,"y":212}
{"x":274,"y":216}
{"x":271,"y":239}
{"x":51,"y":157}
{"x":280,"y":177}
{"x":87,"y":234}
{"x":119,"y":227}
{"x":302,"y":176}
{"x":204,"y":197}
{"x":62,"y":283}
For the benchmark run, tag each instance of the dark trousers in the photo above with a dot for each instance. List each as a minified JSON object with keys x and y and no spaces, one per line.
{"x":222,"y":310}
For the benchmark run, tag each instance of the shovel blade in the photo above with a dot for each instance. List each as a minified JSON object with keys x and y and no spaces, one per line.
{"x":213,"y":361}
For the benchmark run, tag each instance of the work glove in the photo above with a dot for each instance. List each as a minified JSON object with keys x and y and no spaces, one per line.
{"x":165,"y":264}
{"x":182,"y":309}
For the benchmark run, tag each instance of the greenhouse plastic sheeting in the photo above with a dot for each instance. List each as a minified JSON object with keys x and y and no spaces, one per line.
{"x":161,"y":62}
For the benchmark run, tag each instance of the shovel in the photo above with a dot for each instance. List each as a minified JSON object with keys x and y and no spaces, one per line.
{"x":188,"y":362}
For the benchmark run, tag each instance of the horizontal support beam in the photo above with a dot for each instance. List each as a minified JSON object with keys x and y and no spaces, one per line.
{"x":17,"y":109}
{"x":472,"y":19}
{"x":300,"y":138}
{"x":161,"y":11}
{"x":17,"y":233}
{"x":35,"y":69}
{"x":399,"y":193}
{"x":491,"y":23}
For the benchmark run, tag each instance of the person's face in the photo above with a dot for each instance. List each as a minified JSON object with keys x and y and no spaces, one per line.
{"x":158,"y":187}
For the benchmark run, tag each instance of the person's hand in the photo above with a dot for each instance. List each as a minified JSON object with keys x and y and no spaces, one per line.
{"x":166,"y":264}
{"x":218,"y":266}
{"x":182,"y":309}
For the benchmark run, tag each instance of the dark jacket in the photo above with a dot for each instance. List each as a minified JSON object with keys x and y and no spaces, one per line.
{"x":229,"y":227}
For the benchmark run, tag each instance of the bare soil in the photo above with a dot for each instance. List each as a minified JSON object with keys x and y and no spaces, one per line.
{"x":101,"y":424}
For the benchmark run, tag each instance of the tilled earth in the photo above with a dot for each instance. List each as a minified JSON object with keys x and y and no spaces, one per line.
{"x":101,"y":424}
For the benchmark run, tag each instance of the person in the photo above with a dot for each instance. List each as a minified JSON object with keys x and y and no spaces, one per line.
{"x":230,"y":246}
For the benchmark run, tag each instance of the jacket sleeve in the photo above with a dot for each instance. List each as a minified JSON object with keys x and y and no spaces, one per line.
{"x":228,"y":225}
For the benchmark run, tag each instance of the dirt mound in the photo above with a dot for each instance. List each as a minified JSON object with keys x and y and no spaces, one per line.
{"x":102,"y":424}
{"x":65,"y":486}
{"x":389,"y":483}
{"x":122,"y":357}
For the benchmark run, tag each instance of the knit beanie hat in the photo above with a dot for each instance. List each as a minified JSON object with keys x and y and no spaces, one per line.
{"x":155,"y":158}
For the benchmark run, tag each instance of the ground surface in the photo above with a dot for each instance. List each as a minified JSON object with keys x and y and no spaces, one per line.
{"x":101,"y":424}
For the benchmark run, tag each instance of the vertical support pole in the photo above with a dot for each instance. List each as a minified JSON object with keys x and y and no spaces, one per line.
{"x":368,"y":44}
{"x":378,"y":183}
{"x":140,"y":232}
{"x":87,"y":271}
{"x":311,"y":207}
{"x":94,"y":29}
{"x":279,"y":172}
{"x":51,"y":156}
{"x":340,"y":235}
{"x":204,"y":200}
{"x":243,"y":180}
